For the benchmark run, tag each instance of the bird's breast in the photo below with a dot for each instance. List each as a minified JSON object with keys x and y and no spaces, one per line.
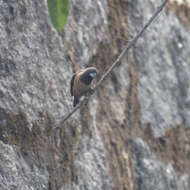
{"x":80,"y":88}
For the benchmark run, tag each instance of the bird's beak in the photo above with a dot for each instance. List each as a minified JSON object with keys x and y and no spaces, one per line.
{"x":93,"y":74}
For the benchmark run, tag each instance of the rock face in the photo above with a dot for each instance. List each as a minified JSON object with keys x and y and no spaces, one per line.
{"x":20,"y":171}
{"x":134,"y":133}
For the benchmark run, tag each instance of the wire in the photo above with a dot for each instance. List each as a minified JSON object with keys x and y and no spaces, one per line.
{"x":125,"y":50}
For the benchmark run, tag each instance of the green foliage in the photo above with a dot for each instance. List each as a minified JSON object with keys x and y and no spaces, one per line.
{"x":58,"y":10}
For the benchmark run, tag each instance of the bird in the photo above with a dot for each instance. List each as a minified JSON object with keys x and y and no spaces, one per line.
{"x":81,"y":83}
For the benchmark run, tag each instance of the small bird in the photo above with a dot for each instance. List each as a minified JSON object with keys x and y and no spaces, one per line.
{"x":81,"y":83}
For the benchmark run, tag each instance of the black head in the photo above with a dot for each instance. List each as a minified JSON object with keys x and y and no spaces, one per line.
{"x":88,"y":75}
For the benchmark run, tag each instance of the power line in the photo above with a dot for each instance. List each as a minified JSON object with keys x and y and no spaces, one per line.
{"x":125,"y":50}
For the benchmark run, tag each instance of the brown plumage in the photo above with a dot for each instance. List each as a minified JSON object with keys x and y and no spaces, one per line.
{"x":81,"y":83}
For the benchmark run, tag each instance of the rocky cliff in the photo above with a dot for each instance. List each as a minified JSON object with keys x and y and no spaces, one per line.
{"x":135,"y":132}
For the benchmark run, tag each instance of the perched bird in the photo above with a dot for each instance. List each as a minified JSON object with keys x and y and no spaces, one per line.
{"x":81,"y":83}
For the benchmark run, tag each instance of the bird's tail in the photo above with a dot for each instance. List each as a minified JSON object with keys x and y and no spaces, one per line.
{"x":76,"y":101}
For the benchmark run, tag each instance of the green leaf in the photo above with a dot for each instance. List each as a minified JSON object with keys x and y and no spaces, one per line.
{"x":59,"y":11}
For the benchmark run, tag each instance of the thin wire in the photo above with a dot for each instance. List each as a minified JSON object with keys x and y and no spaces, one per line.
{"x":125,"y":50}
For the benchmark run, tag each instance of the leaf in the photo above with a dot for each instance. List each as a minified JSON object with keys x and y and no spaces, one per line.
{"x":59,"y":11}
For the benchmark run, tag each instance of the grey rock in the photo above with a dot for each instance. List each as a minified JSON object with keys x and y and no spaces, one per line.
{"x":91,"y":165}
{"x":184,"y":182}
{"x":87,"y":28}
{"x":161,"y":58}
{"x":33,"y":71}
{"x":152,"y":174}
{"x":90,"y":160}
{"x":21,"y":172}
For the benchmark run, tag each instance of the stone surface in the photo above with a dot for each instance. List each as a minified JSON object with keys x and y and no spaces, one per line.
{"x":21,"y":172}
{"x":87,"y":28}
{"x":152,"y":173}
{"x":134,"y":132}
{"x":163,"y":54}
{"x":33,"y":73}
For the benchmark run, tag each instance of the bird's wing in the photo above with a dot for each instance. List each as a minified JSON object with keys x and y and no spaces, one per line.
{"x":72,"y":84}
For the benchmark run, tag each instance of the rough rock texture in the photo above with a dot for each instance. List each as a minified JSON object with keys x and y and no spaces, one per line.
{"x":163,"y":54}
{"x":153,"y":174}
{"x":19,"y":171}
{"x":32,"y":72}
{"x":134,"y":134}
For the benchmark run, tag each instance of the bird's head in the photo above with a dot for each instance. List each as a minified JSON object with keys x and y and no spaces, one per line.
{"x":88,"y":75}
